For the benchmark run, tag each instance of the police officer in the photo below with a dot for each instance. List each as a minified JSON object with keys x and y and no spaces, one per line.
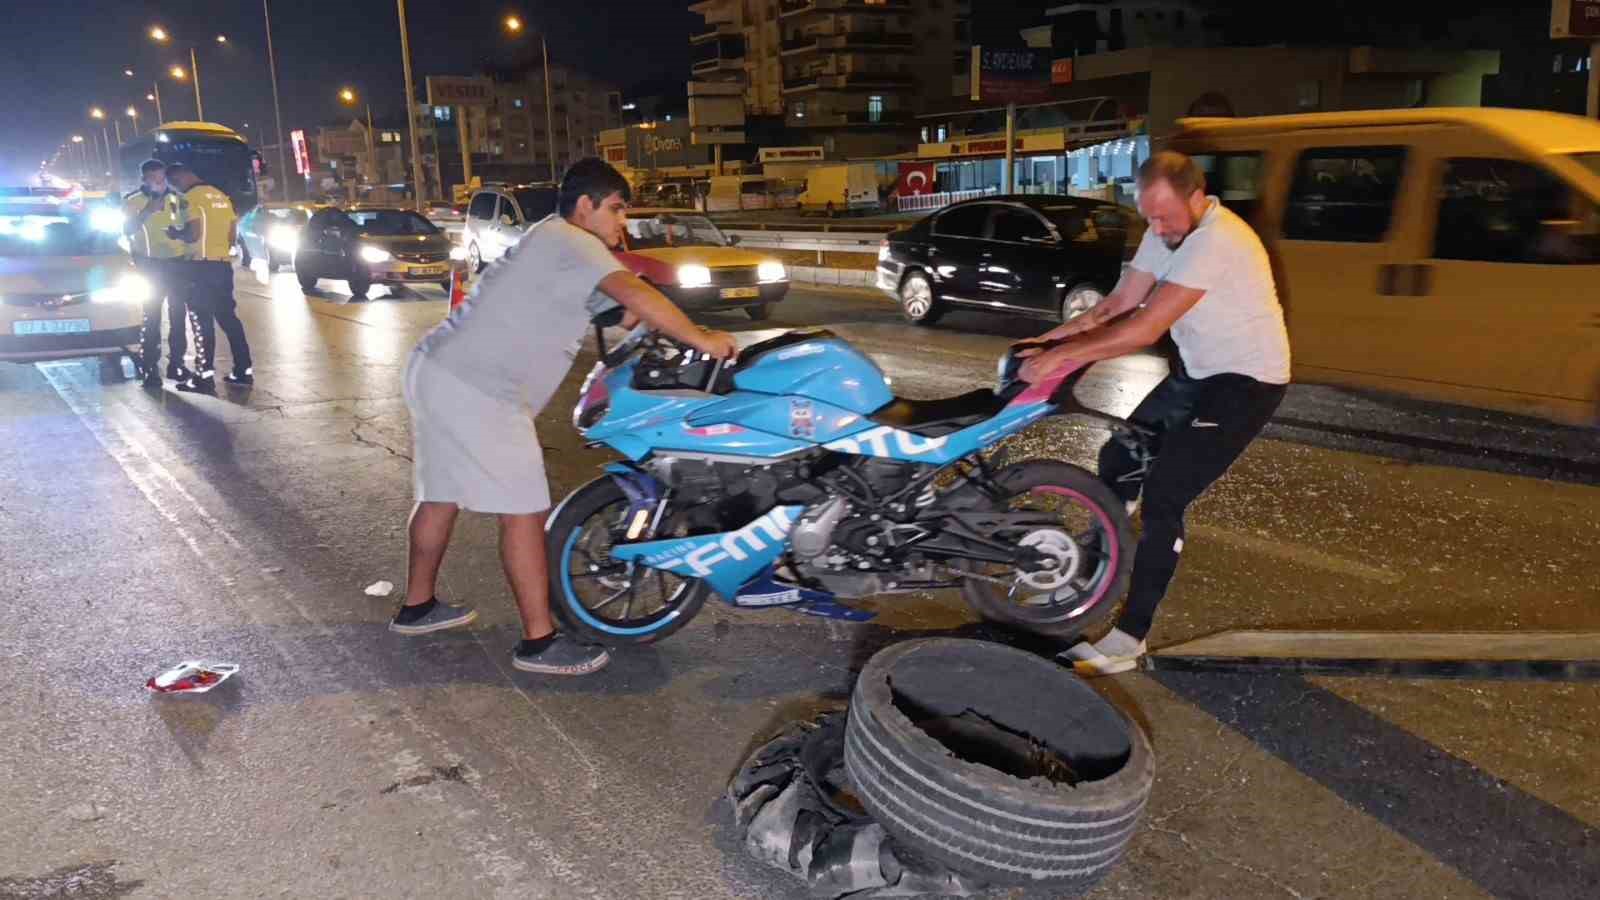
{"x":147,"y":213}
{"x":208,"y":229}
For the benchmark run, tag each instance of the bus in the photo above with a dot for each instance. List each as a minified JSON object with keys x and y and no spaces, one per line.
{"x":215,"y":152}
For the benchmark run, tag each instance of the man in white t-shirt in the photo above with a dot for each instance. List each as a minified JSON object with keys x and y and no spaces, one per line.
{"x":1202,"y":274}
{"x":474,"y":384}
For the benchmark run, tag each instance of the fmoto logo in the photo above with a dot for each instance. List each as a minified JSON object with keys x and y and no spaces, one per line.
{"x":876,"y":443}
{"x":738,"y":545}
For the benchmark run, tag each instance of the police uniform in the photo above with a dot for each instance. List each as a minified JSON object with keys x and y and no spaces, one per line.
{"x":210,"y":219}
{"x":158,"y":256}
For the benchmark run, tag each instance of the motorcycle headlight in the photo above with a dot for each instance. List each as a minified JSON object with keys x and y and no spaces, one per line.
{"x":458,"y":253}
{"x":375,"y":254}
{"x":694,"y":276}
{"x":594,"y":400}
{"x":284,"y":239}
{"x":771,"y":270}
{"x":133,"y":288}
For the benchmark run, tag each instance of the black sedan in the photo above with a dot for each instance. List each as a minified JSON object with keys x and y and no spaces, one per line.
{"x":374,"y":245}
{"x":1041,"y":256}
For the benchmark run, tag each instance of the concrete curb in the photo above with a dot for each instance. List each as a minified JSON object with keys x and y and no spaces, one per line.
{"x":861,"y":278}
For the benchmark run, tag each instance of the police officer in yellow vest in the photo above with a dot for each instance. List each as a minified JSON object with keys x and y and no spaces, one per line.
{"x":209,"y":231}
{"x":147,"y":213}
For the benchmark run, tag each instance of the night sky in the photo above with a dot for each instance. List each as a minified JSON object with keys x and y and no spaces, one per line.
{"x":55,"y":64}
{"x":58,"y":59}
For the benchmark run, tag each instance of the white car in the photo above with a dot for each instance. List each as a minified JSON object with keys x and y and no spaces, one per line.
{"x":498,"y":217}
{"x":67,"y":288}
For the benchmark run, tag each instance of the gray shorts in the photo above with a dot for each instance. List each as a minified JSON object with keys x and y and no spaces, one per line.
{"x":476,"y":451}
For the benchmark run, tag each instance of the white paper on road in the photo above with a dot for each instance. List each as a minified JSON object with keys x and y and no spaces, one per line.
{"x":380,"y":589}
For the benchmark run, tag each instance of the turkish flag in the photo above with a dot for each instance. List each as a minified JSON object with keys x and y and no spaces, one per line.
{"x":915,"y":179}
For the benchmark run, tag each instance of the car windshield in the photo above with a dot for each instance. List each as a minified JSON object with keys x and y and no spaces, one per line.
{"x":1591,"y":161}
{"x":650,"y":232}
{"x":32,"y":226}
{"x":536,"y":203}
{"x":1088,"y":223}
{"x":288,"y":216}
{"x":391,"y":222}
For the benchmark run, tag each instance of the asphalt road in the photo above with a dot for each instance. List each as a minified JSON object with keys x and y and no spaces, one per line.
{"x":343,"y":761}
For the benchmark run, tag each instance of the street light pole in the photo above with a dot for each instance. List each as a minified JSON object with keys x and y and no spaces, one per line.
{"x":411,"y":108}
{"x":155,"y":89}
{"x":277,"y":111}
{"x":549,"y":109}
{"x":194,"y":72}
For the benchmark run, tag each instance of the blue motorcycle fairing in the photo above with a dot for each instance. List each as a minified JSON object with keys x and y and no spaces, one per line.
{"x":825,"y":369}
{"x":799,"y":418}
{"x":886,"y":442}
{"x":727,"y":560}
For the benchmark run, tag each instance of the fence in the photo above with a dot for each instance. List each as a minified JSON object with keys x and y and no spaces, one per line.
{"x":924,"y":202}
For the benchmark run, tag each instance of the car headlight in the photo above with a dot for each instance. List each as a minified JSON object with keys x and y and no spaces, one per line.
{"x":458,"y":253}
{"x":693,"y":276}
{"x":133,"y":288}
{"x":375,"y":254}
{"x":107,"y":220}
{"x":284,"y":238}
{"x":771,"y":270}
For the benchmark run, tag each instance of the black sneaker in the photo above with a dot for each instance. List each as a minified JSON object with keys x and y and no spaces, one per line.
{"x":562,"y":656}
{"x":198,"y":384}
{"x":245,"y":378}
{"x":430,"y":617}
{"x":176,"y":372}
{"x":151,"y":379}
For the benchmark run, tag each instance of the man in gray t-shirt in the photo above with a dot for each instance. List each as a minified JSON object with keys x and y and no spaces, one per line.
{"x":1202,"y":274}
{"x":474,"y":384}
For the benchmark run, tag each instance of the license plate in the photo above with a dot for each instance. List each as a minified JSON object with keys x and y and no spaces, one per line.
{"x":738,"y":293}
{"x":429,"y":270}
{"x":51,"y":326}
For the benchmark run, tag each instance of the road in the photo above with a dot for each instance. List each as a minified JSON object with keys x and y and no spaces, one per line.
{"x":142,"y":528}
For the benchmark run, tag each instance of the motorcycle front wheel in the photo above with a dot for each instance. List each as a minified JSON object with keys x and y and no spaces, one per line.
{"x":601,"y":599}
{"x":1092,"y":548}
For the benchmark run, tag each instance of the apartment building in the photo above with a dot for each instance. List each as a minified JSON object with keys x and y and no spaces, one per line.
{"x":832,"y":64}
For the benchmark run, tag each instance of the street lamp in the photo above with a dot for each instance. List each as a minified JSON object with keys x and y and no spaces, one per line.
{"x":133,"y":113}
{"x":513,"y":26}
{"x":347,"y":96}
{"x":99,"y":115}
{"x":161,"y":36}
{"x":83,"y":156}
{"x":411,"y":106}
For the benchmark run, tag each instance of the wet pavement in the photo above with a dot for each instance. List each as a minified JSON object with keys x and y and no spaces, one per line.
{"x":141,"y":528}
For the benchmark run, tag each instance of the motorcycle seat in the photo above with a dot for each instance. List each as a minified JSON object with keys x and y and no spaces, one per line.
{"x":936,"y":418}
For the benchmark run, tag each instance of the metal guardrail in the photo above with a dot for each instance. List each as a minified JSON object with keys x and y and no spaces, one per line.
{"x":820,"y":241}
{"x":920,"y":202}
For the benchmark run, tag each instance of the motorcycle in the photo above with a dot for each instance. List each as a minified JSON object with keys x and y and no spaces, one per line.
{"x":794,"y":477}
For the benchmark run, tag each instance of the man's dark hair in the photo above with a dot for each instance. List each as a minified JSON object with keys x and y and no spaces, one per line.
{"x":151,"y":165}
{"x":594,"y":178}
{"x":1175,"y":169}
{"x":177,"y":168}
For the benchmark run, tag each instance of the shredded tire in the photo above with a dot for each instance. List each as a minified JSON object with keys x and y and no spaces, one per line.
{"x":996,"y":763}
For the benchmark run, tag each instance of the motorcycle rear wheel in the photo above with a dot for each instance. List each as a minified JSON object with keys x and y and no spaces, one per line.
{"x":1101,"y":554}
{"x":600,"y":599}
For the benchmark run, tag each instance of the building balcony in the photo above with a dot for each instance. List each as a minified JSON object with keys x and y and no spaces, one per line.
{"x":716,"y":31}
{"x":849,"y":81}
{"x":799,"y":7}
{"x":870,"y":40}
{"x":718,"y":66}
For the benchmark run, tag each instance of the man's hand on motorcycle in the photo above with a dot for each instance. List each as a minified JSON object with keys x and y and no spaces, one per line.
{"x":1039,"y":367}
{"x":719,"y":344}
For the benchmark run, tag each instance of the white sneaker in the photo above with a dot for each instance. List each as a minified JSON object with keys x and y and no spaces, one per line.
{"x":1132,"y":506}
{"x":1116,"y":652}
